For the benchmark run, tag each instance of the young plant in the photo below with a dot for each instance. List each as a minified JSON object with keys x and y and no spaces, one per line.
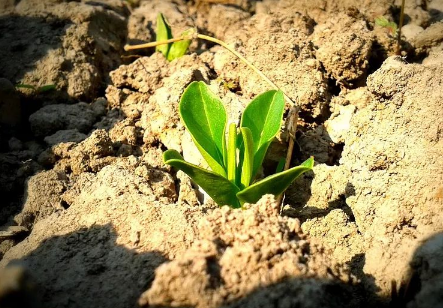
{"x":293,"y":112}
{"x":173,"y":50}
{"x":236,"y":161}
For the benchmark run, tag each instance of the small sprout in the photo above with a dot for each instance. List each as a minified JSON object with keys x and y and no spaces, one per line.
{"x":173,"y":50}
{"x":25,"y":86}
{"x":389,"y":25}
{"x":37,"y":90}
{"x":236,"y":161}
{"x":46,"y":88}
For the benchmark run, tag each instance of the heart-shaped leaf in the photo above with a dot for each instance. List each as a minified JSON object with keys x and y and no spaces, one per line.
{"x":163,"y":33}
{"x":205,"y":118}
{"x":263,"y":117}
{"x":274,"y":184}
{"x":219,"y":188}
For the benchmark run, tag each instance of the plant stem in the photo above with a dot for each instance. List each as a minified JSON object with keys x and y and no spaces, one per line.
{"x":154,"y":44}
{"x":292,"y":129}
{"x":232,"y":153}
{"x":400,"y":25}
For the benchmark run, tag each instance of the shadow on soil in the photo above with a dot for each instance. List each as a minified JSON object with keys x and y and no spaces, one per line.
{"x":24,"y":42}
{"x":85,"y":268}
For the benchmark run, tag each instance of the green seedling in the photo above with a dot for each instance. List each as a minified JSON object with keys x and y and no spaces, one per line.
{"x":389,"y":25}
{"x":171,"y":50}
{"x":42,"y":89}
{"x":293,"y":112}
{"x":236,"y":161}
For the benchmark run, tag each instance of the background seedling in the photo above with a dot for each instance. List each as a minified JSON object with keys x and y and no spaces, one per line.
{"x":389,"y":25}
{"x":392,"y":26}
{"x":173,"y":50}
{"x":236,"y":161}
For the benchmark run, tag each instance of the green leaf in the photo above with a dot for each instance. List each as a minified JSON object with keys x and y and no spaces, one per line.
{"x":163,"y":33}
{"x":219,"y":188}
{"x":275,"y":184}
{"x":384,"y":22}
{"x":25,"y":86}
{"x":263,"y":117}
{"x":179,"y":48}
{"x":205,"y":118}
{"x":247,"y":162}
{"x":381,"y":21}
{"x":46,"y":88}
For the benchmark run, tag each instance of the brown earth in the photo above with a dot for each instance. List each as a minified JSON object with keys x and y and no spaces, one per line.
{"x":91,"y":217}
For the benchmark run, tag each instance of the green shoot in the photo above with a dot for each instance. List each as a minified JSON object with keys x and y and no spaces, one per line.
{"x":174,"y":49}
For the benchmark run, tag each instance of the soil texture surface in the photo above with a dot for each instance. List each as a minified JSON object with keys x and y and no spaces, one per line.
{"x":90,"y":216}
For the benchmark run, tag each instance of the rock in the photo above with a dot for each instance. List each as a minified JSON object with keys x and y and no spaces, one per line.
{"x":52,"y":118}
{"x":340,"y":122}
{"x":43,"y":197}
{"x":72,"y":45}
{"x":410,"y":31}
{"x":344,"y":46}
{"x":431,"y":36}
{"x":241,"y":258}
{"x":68,"y":135}
{"x":223,"y":17}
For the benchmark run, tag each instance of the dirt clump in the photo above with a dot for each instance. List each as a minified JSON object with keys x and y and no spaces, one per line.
{"x":75,"y":46}
{"x":343,"y":47}
{"x":239,"y":255}
{"x":110,"y":238}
